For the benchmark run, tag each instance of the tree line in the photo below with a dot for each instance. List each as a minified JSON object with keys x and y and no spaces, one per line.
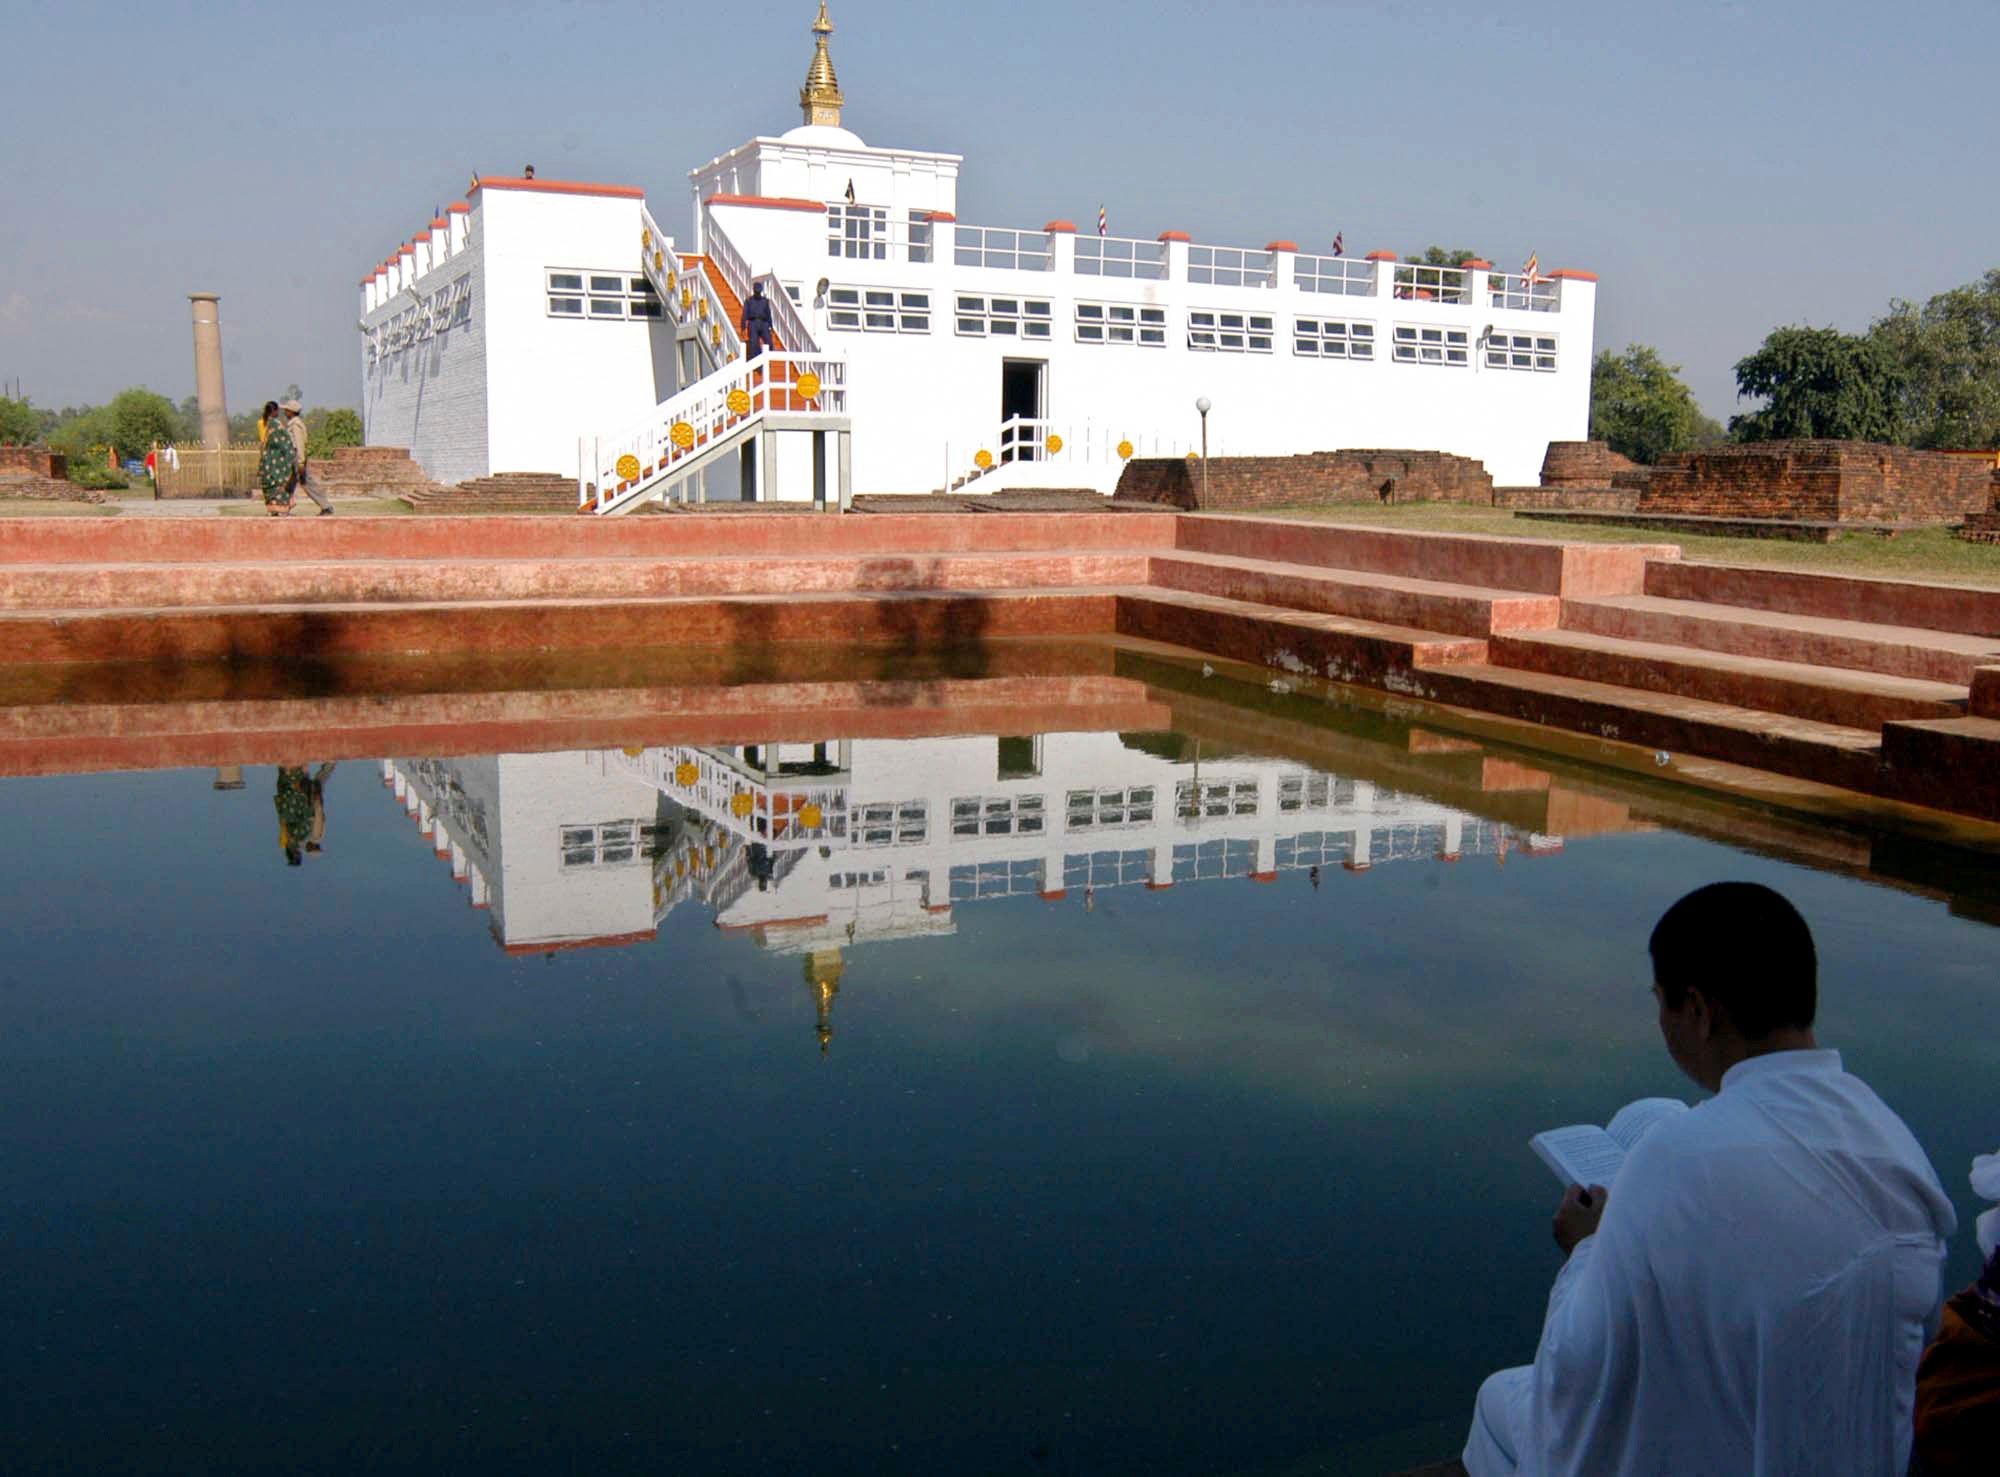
{"x":133,"y":421}
{"x":1922,"y":375}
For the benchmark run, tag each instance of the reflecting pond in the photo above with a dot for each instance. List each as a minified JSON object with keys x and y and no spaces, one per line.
{"x":1145,"y":1098}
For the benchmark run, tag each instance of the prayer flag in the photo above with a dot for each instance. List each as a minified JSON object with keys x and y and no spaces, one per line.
{"x":1339,"y":242}
{"x":1103,"y":221}
{"x":1531,"y":270}
{"x":850,"y":192}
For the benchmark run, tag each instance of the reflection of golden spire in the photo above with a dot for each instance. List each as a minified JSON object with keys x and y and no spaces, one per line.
{"x":820,"y":98}
{"x":823,"y":970}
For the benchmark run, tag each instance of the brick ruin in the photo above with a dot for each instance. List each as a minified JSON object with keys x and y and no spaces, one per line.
{"x":36,"y":472}
{"x":1314,"y":477}
{"x":1819,"y":481}
{"x":1584,"y":464}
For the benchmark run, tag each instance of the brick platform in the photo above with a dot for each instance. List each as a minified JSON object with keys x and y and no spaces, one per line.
{"x":1873,"y":686}
{"x":1583,"y":464}
{"x":1315,"y":477}
{"x":1823,"y":481}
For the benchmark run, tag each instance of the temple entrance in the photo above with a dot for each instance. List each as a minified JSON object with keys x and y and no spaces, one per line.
{"x":1023,"y":386}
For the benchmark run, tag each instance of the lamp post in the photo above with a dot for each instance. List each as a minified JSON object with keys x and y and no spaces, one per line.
{"x":1203,"y":405}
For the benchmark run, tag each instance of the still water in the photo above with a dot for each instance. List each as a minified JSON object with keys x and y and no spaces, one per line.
{"x":1072,"y":1102}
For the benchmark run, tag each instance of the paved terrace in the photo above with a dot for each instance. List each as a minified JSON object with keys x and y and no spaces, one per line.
{"x":1873,"y":687}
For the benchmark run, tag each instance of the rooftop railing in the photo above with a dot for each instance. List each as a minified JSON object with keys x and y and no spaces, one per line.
{"x":1121,"y":256}
{"x":1003,"y":249}
{"x":1528,"y":294}
{"x":1433,"y":284}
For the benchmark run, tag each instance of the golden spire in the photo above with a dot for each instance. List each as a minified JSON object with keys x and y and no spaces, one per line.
{"x":823,"y":970}
{"x":820,"y":98}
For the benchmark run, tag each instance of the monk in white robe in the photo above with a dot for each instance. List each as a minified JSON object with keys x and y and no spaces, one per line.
{"x":1753,"y":1293}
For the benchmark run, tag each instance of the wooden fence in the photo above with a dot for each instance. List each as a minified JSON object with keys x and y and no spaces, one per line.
{"x":206,"y":471}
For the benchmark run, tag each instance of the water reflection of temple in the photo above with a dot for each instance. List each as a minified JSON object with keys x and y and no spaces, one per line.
{"x":814,"y":848}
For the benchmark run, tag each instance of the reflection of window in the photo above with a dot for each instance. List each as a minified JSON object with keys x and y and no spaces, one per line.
{"x":1416,"y":344}
{"x":843,"y":880}
{"x":1003,"y":317}
{"x":1330,"y":338}
{"x":997,"y":815}
{"x":1020,"y":758}
{"x":995,"y":879}
{"x":892,"y":823}
{"x":1107,"y":868}
{"x":1315,"y":849}
{"x":1098,"y":810}
{"x":1218,"y":797}
{"x":1521,"y":351}
{"x":1304,"y":792}
{"x":878,"y":309}
{"x":1203,"y":861}
{"x":608,"y":843}
{"x":1235,"y":333}
{"x":1120,"y":323}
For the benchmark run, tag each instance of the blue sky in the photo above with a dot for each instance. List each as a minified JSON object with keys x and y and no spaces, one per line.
{"x":1725,"y":165}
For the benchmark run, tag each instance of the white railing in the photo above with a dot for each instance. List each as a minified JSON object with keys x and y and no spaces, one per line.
{"x":1424,"y":284}
{"x":1340,"y":275}
{"x":868,"y":233}
{"x":1026,"y":451}
{"x":684,"y":430}
{"x":784,"y":812}
{"x":657,"y":259}
{"x":702,"y":306}
{"x":1231,"y":266}
{"x":785,"y":318}
{"x":1529,"y":294}
{"x":1121,"y":256}
{"x":1003,"y":249}
{"x":717,"y":245}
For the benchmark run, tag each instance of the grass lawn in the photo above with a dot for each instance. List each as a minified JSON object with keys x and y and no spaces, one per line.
{"x":1927,"y":554}
{"x":35,"y":507}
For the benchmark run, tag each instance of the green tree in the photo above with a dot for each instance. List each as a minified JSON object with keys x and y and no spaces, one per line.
{"x":1818,"y":383}
{"x":79,"y":429}
{"x":1639,"y":405}
{"x":139,"y":418}
{"x":1947,"y":354}
{"x":20,"y":423}
{"x":327,"y":429}
{"x":1437,"y":256}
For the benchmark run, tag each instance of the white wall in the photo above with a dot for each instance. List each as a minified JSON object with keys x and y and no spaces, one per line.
{"x":431,"y":395}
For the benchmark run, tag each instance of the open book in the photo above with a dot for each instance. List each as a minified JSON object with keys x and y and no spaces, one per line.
{"x":1586,"y":1155}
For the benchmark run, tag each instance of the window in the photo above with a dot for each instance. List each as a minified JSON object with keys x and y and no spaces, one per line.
{"x":892,"y":823}
{"x":1521,"y":351}
{"x":1419,"y":345}
{"x":1333,"y":338}
{"x":1304,"y":792}
{"x":995,"y":879}
{"x":1104,"y":810}
{"x":1113,"y":256}
{"x":997,"y":815}
{"x":1121,"y":323}
{"x":857,"y":232}
{"x":607,"y":295}
{"x":1018,"y":758}
{"x":878,"y":310}
{"x":1003,"y":317}
{"x":1218,"y":798}
{"x":609,"y":843}
{"x":1237,"y":333}
{"x":1231,"y":266}
{"x":840,"y":881}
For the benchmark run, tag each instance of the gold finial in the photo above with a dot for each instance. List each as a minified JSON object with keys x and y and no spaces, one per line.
{"x":820,"y":98}
{"x":823,"y":970}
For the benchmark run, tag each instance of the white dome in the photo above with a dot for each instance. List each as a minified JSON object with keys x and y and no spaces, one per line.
{"x":822,"y":136}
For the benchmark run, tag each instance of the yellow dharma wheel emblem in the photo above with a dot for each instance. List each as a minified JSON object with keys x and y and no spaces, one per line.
{"x":682,"y":435}
{"x":715,"y":334}
{"x":809,"y":816}
{"x":1055,"y":444}
{"x":685,"y":774}
{"x":807,"y":386}
{"x":739,"y":804}
{"x":633,"y":751}
{"x":687,"y":299}
{"x":983,"y":460}
{"x":645,"y":238}
{"x":1125,"y":451}
{"x":701,"y":309}
{"x":739,"y":402}
{"x":659,"y":261}
{"x":1194,"y":456}
{"x":628,"y":468}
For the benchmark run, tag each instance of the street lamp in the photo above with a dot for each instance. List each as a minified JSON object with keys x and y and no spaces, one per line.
{"x":1203,"y":405}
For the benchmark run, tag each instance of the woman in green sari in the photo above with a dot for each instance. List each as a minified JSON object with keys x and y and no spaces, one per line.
{"x":277,"y":467}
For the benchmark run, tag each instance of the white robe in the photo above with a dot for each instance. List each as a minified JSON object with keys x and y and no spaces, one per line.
{"x":1754,"y":1302}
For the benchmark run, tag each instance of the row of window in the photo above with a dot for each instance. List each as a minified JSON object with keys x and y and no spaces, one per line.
{"x":895,"y":310}
{"x":577,"y":293}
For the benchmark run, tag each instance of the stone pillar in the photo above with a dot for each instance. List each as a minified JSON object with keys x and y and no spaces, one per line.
{"x":208,"y":368}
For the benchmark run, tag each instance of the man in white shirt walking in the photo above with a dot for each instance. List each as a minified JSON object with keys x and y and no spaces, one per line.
{"x":1752,"y":1295}
{"x":295,"y":427}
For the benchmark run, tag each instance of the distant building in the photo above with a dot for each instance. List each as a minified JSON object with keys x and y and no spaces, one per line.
{"x":553,"y":326}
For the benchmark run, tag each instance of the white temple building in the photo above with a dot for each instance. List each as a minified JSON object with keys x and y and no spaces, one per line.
{"x":555,"y":326}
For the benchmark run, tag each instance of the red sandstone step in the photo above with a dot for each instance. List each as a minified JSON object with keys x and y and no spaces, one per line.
{"x":1970,"y":609}
{"x":1903,"y":651}
{"x":1828,"y":753}
{"x":914,"y":620}
{"x":1482,"y":560}
{"x":1823,"y":694}
{"x":1950,"y":763}
{"x":1986,"y":693}
{"x":723,"y":535}
{"x":1340,"y":647}
{"x":319,"y":582}
{"x":1459,"y":610}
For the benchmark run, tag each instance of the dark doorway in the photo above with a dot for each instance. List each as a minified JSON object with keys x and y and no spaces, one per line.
{"x":1021,"y":386}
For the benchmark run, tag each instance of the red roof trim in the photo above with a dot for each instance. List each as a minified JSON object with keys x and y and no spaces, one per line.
{"x":1281,"y":246}
{"x":768,"y":202}
{"x":1263,"y":876}
{"x":565,"y":946}
{"x":458,"y":207}
{"x":555,"y":187}
{"x":1056,"y":896}
{"x":406,"y":251}
{"x":1175,"y":236}
{"x":946,"y":216}
{"x":1054,"y":226}
{"x":1571,"y":274}
{"x":1476,"y":265}
{"x":1380,"y":256}
{"x":440,"y":224}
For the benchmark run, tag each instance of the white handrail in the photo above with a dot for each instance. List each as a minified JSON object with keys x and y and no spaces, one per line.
{"x":686,"y":427}
{"x":735,"y":271}
{"x":785,"y":317}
